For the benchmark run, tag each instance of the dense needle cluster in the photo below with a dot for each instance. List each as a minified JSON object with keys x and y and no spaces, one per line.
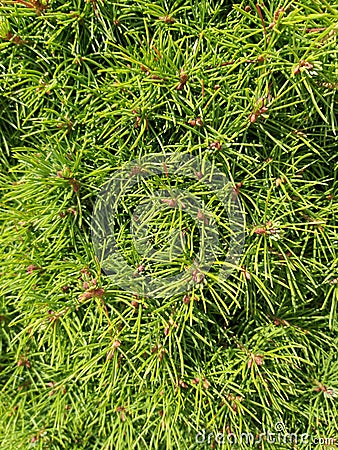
{"x":87,"y":86}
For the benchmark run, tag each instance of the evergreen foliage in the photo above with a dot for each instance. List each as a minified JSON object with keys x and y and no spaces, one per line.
{"x":89,"y":86}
